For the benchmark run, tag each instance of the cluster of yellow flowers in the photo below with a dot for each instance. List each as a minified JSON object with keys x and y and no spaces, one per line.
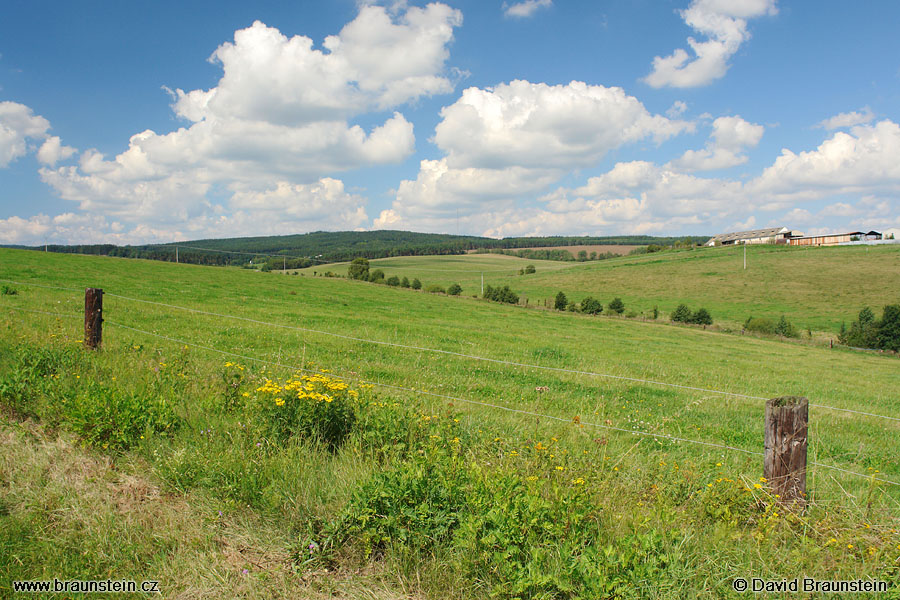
{"x":307,"y":387}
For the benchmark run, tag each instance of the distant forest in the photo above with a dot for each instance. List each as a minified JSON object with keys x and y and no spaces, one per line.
{"x":304,"y":250}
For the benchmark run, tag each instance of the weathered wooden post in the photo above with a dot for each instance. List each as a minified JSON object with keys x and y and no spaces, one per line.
{"x":784,"y":468}
{"x":93,"y":318}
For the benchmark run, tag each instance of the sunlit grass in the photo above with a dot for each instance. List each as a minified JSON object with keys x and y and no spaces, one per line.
{"x":642,"y":483}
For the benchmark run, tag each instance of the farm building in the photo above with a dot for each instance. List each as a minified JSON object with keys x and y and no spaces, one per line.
{"x":772,"y":235}
{"x":830,"y":239}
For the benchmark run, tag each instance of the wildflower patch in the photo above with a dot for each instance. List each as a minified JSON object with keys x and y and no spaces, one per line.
{"x":316,"y":406}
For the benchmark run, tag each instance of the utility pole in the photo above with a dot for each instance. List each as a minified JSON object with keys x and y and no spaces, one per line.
{"x":176,"y":255}
{"x":745,"y":256}
{"x":284,"y":264}
{"x":482,"y":284}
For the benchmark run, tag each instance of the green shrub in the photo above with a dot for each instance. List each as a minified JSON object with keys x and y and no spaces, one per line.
{"x":863,"y":332}
{"x":498,"y":294}
{"x":376,"y":276}
{"x":701,"y":317}
{"x":404,"y":282}
{"x":866,"y":332}
{"x":5,"y":290}
{"x":760,"y":325}
{"x":116,"y":419}
{"x":681,"y":314}
{"x":572,"y":307}
{"x":414,"y":506}
{"x":785,"y":328}
{"x":314,"y":406}
{"x":529,"y":269}
{"x":527,"y":540}
{"x":616,"y":306}
{"x":416,"y":284}
{"x":889,"y":328}
{"x":393,"y":281}
{"x":359,"y":269}
{"x":560,"y":302}
{"x":655,"y":312}
{"x":591,"y":306}
{"x":435,"y":289}
{"x":454,"y":290}
{"x":385,"y":427}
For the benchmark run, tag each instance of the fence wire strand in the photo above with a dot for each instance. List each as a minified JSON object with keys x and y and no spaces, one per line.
{"x":488,"y":404}
{"x":456,"y":398}
{"x":492,"y":360}
{"x":469,"y":356}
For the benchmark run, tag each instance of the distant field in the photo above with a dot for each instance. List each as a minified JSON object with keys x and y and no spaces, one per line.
{"x":554,"y":420}
{"x":815,"y":288}
{"x":465,"y":269}
{"x":598,"y":248}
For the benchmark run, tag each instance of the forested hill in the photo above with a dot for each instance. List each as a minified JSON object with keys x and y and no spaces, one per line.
{"x":326,"y":246}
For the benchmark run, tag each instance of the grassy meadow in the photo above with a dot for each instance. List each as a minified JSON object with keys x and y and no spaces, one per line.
{"x":262,"y":444}
{"x":816,"y":288}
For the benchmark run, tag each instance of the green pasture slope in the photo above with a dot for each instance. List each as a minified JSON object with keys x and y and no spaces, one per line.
{"x":682,"y":507}
{"x":815,"y":288}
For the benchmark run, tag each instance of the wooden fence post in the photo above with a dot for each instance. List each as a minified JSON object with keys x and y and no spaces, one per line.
{"x":93,"y":318}
{"x":784,"y":468}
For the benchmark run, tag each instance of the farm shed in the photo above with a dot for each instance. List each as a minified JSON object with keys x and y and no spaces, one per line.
{"x":828,"y":239}
{"x":772,"y":235}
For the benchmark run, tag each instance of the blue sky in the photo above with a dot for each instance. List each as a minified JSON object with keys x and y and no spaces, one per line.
{"x":144,"y":122}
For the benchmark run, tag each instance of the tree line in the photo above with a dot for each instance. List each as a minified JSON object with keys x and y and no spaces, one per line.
{"x":322,"y":246}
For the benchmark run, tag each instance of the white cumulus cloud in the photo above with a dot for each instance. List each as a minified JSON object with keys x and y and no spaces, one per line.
{"x":18,"y":125}
{"x":724,"y":25}
{"x":730,"y":137}
{"x":52,"y":151}
{"x":538,"y":125}
{"x":848,"y":119}
{"x":375,"y":62}
{"x":526,"y":8}
{"x":274,"y":130}
{"x":863,"y":161}
{"x":512,"y":141}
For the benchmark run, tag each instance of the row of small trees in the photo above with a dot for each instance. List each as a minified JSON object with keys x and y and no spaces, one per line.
{"x":683,"y":314}
{"x":498,"y":294}
{"x":867,"y":332}
{"x":359,"y":270}
{"x":589,"y":306}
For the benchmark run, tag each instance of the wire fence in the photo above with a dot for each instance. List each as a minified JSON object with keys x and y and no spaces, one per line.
{"x":461,"y":354}
{"x":459,"y":399}
{"x":465,"y":355}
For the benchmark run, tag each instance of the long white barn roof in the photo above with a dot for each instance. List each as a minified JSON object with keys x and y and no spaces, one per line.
{"x":749,"y":235}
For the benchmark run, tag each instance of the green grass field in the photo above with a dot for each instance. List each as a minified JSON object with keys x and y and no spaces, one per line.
{"x":701,"y":506}
{"x":815,"y":288}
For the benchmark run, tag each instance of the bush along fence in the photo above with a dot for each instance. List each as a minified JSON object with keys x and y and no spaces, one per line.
{"x":786,"y":422}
